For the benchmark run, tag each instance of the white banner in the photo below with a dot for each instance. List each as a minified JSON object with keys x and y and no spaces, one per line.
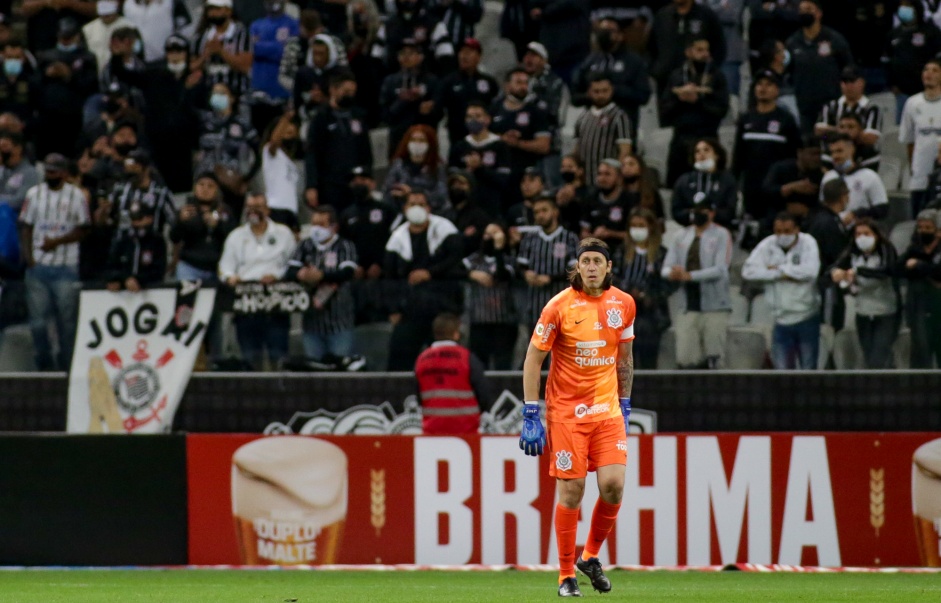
{"x":134,"y":353}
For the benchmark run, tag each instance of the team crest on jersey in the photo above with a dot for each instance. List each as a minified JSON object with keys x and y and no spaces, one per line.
{"x":774,"y":126}
{"x":614,"y":318}
{"x":563,"y":460}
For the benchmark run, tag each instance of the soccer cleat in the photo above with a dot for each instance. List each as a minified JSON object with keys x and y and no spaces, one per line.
{"x":569,"y":588}
{"x":592,"y":569}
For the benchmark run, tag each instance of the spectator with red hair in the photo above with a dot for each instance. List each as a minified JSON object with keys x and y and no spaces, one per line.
{"x":417,"y":165}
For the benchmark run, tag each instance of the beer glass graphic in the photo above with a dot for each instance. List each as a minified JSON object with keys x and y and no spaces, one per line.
{"x":289,"y":500}
{"x":926,"y":501}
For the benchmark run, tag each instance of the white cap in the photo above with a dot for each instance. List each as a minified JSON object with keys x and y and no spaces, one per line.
{"x":538,"y":49}
{"x":219,"y":3}
{"x":106,"y":8}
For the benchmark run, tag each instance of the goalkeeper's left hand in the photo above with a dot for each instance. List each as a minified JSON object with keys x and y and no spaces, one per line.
{"x":533,"y":434}
{"x":626,"y":412}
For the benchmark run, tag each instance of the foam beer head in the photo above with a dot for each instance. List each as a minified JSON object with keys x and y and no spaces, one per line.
{"x":926,"y":500}
{"x":289,"y":500}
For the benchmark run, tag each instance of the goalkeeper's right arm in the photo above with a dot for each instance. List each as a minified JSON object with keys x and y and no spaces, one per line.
{"x":532,"y":373}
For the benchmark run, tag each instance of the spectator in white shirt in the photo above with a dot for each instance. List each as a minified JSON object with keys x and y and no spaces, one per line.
{"x":98,"y":32}
{"x":920,"y":130}
{"x":282,"y":173}
{"x":258,"y":250}
{"x":788,"y":263}
{"x":868,"y":198}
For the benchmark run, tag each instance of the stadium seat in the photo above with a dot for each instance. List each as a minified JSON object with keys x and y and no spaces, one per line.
{"x":372,"y":341}
{"x":739,"y":315}
{"x":379,"y":141}
{"x":16,"y":350}
{"x":902,"y":349}
{"x":900,"y":210}
{"x":890,"y":170}
{"x":886,"y":103}
{"x":901,"y":235}
{"x":671,"y":230}
{"x":666,"y":361}
{"x":827,"y":336}
{"x":655,"y":147}
{"x":649,"y":115}
{"x":746,"y":348}
{"x":760,"y":311}
{"x":727,"y":136}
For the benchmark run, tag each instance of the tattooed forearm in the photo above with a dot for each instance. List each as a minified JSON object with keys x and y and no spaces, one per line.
{"x":625,"y":368}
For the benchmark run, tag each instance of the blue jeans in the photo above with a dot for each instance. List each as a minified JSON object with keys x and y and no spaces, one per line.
{"x":317,"y":345}
{"x":258,"y":332}
{"x":188,"y":272}
{"x":797,"y":345}
{"x":52,"y":292}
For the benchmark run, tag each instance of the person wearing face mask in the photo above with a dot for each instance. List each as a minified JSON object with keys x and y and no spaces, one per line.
{"x":625,"y":68}
{"x":467,"y":84}
{"x":520,"y":217}
{"x":171,"y":94}
{"x":67,"y":75}
{"x":493,"y":321}
{"x":485,"y":156}
{"x":909,"y":46}
{"x":694,"y":101}
{"x":281,"y":175}
{"x":269,"y":36}
{"x":867,"y":155}
{"x":299,"y":53}
{"x":15,"y":90}
{"x":412,"y":21}
{"x":223,"y":48}
{"x":639,"y":273}
{"x":157,"y":20}
{"x":416,"y":165}
{"x":227,"y":143}
{"x":116,"y":108}
{"x":337,"y":142}
{"x":140,"y":193}
{"x":852,"y":102}
{"x":868,"y":270}
{"x":770,"y":22}
{"x":574,"y":193}
{"x":124,"y":53}
{"x":604,"y":131}
{"x":709,"y":181}
{"x":673,"y":28}
{"x":407,"y":97}
{"x":98,"y":32}
{"x":423,"y":262}
{"x":640,"y":186}
{"x":818,"y":56}
{"x":787,"y":264}
{"x":605,"y":214}
{"x":920,"y":265}
{"x":548,"y":91}
{"x":698,"y":261}
{"x":42,"y":17}
{"x":258,"y":250}
{"x":326,"y":263}
{"x":868,"y":197}
{"x":324,"y":60}
{"x":17,"y":174}
{"x":138,"y":256}
{"x":464,"y":212}
{"x":53,"y":220}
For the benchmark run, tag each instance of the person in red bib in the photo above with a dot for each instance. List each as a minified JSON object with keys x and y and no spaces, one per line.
{"x":451,"y":383}
{"x":589,"y":328}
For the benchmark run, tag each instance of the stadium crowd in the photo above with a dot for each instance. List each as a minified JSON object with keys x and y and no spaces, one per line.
{"x":141,"y":146}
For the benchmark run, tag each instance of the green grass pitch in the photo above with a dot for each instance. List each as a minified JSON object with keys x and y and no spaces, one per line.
{"x":233,"y":586}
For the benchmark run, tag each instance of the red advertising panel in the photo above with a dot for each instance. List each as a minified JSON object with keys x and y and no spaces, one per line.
{"x":706,"y":499}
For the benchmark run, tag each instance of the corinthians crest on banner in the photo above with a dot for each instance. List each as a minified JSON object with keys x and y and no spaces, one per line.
{"x":134,"y":353}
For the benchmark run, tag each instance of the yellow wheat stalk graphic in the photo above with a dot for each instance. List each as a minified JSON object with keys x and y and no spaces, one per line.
{"x":378,"y":498}
{"x":877,"y":498}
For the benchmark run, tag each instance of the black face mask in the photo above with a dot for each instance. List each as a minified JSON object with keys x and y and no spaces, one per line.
{"x":5,"y":156}
{"x":112,"y":106}
{"x":567,"y":177}
{"x":520,"y":97}
{"x":631,"y":179}
{"x":457,"y":195}
{"x":699,"y":66}
{"x":700,"y":218}
{"x":606,"y":191}
{"x":605,"y":43}
{"x":54,"y":182}
{"x":360,"y":193}
{"x":124,"y":149}
{"x":216,"y":20}
{"x":925,"y":238}
{"x":345,"y":102}
{"x":806,"y":19}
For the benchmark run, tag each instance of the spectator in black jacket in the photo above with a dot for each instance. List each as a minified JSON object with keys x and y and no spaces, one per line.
{"x":921,"y":267}
{"x":794,"y":181}
{"x":485,"y":156}
{"x":423,"y":257}
{"x":18,"y":72}
{"x":770,"y":20}
{"x":709,"y":181}
{"x":459,"y":17}
{"x":674,"y":28}
{"x":413,"y":21}
{"x":199,"y":232}
{"x":907,"y":49}
{"x":337,"y":142}
{"x":408,"y":96}
{"x":465,"y":212}
{"x":467,"y":84}
{"x":693,"y":100}
{"x":493,"y":322}
{"x":626,"y":69}
{"x":138,"y":255}
{"x":549,"y":92}
{"x":565,"y":31}
{"x":829,"y":226}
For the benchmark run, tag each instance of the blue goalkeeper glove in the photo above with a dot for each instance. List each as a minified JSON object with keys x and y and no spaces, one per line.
{"x":533,"y":434}
{"x":626,"y":411}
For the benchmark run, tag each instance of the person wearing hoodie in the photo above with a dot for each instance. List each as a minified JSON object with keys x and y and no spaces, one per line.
{"x":312,"y":81}
{"x":269,"y":36}
{"x":485,"y":156}
{"x":787,"y":263}
{"x":868,"y":271}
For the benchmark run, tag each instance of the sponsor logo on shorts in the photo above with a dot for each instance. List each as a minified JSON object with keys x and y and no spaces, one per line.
{"x":614,"y":318}
{"x":583,"y":410}
{"x":563,"y":460}
{"x":622,"y":445}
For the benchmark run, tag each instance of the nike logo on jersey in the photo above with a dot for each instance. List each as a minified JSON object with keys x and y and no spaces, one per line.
{"x":579,"y":321}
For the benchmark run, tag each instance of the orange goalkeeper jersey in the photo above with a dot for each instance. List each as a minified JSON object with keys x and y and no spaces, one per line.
{"x":583,"y":334}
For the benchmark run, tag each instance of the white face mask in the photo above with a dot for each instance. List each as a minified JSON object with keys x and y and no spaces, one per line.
{"x":866,"y":242}
{"x":320,"y":234}
{"x":416,"y":215}
{"x":107,"y":8}
{"x":706,"y":165}
{"x":177,"y":68}
{"x":417,"y":149}
{"x":639,"y":234}
{"x":785,"y":240}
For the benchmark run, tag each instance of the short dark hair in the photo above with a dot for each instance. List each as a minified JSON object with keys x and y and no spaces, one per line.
{"x":124,"y":33}
{"x":840,"y":138}
{"x":786,"y":216}
{"x":328,"y":211}
{"x":834,"y":190}
{"x":15,"y":137}
{"x":546,"y":199}
{"x":478,"y":104}
{"x":310,"y":19}
{"x":341,"y":78}
{"x":933,"y":60}
{"x":514,"y":71}
{"x":599,"y":76}
{"x":853,"y":116}
{"x":697,"y":38}
{"x":444,"y":326}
